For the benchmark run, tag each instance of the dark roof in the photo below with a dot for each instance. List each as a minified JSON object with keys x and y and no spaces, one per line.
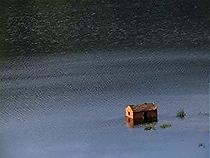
{"x":143,"y":107}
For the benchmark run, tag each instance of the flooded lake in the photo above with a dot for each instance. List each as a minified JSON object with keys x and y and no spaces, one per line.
{"x":69,"y":68}
{"x":72,"y":105}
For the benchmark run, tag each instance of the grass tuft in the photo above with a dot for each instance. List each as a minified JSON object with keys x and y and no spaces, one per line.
{"x":165,"y":125}
{"x":181,"y":114}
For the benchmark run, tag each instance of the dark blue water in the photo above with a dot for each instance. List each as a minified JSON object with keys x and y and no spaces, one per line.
{"x":73,"y":105}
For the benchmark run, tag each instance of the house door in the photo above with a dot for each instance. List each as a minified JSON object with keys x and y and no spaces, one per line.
{"x":145,"y":116}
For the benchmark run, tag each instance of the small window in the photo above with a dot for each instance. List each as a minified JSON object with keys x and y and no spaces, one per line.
{"x":128,"y":113}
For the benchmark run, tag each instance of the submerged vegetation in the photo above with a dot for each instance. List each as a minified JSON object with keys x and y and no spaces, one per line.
{"x":152,"y":126}
{"x":181,"y":114}
{"x":165,"y":125}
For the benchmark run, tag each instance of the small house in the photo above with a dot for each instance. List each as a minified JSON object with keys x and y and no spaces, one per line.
{"x":142,"y":113}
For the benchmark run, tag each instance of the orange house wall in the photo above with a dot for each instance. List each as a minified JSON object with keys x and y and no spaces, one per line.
{"x":127,"y":110}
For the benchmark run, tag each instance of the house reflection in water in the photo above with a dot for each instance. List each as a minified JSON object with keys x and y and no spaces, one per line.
{"x":129,"y":122}
{"x":139,"y":114}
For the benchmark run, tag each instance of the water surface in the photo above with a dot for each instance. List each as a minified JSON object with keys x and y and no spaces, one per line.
{"x":72,"y":105}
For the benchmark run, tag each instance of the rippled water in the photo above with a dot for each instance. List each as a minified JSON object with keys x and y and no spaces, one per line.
{"x":73,"y":105}
{"x":37,"y":26}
